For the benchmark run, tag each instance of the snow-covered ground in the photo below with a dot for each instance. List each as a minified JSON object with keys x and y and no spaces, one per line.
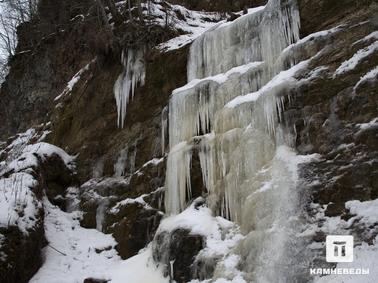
{"x":74,"y":253}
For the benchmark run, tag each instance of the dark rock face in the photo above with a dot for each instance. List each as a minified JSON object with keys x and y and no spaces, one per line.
{"x":333,"y":109}
{"x":50,"y":50}
{"x":177,"y":251}
{"x":22,"y":252}
{"x":329,"y":112}
{"x":57,"y":178}
{"x":130,"y":210}
{"x":133,"y":227}
{"x":318,"y":15}
{"x":86,"y":122}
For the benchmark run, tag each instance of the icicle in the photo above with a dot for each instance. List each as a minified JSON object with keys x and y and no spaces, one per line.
{"x":120,"y":165}
{"x":100,"y":213}
{"x":133,"y":74}
{"x":178,"y":187}
{"x":164,"y":128}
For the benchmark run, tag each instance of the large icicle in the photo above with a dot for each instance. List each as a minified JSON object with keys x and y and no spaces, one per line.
{"x":133,"y":74}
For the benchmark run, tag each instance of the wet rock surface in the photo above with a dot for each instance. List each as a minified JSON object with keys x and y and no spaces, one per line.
{"x":177,"y":251}
{"x":334,"y":112}
{"x":130,"y":209}
{"x":14,"y":243}
{"x":334,"y":116}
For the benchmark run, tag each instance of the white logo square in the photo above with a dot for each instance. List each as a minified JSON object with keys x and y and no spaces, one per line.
{"x":339,"y":248}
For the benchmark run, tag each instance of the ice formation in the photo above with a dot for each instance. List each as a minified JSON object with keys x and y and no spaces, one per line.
{"x":164,"y":128}
{"x":134,"y":73}
{"x":240,"y":76}
{"x":233,"y":60}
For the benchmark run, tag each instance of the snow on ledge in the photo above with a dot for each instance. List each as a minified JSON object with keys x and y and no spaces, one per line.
{"x":220,"y":78}
{"x":356,"y":59}
{"x":18,"y":204}
{"x":366,"y":211}
{"x":369,"y":76}
{"x":283,"y":78}
{"x":28,"y":158}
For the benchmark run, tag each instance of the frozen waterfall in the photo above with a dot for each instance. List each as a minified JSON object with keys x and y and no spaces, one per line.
{"x":232,"y":104}
{"x":239,"y":77}
{"x":133,"y":74}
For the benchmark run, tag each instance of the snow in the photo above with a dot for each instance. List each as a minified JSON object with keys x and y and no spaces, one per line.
{"x":22,"y":138}
{"x":312,"y":36}
{"x":283,"y":78}
{"x":220,"y":78}
{"x":70,"y":85}
{"x":200,"y":221}
{"x":28,"y":158}
{"x":138,"y":269}
{"x":221,"y":236}
{"x":356,"y":59}
{"x":197,"y":220}
{"x":194,"y":24}
{"x":153,"y":161}
{"x":365,"y":256}
{"x":369,"y":76}
{"x":18,"y":204}
{"x":366,"y":212}
{"x":75,"y":253}
{"x":71,"y":252}
{"x":139,"y":200}
{"x":365,"y":126}
{"x":371,"y":36}
{"x":241,"y":18}
{"x":90,"y":185}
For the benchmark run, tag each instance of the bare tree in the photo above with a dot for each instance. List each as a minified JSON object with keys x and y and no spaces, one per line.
{"x":12,"y":14}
